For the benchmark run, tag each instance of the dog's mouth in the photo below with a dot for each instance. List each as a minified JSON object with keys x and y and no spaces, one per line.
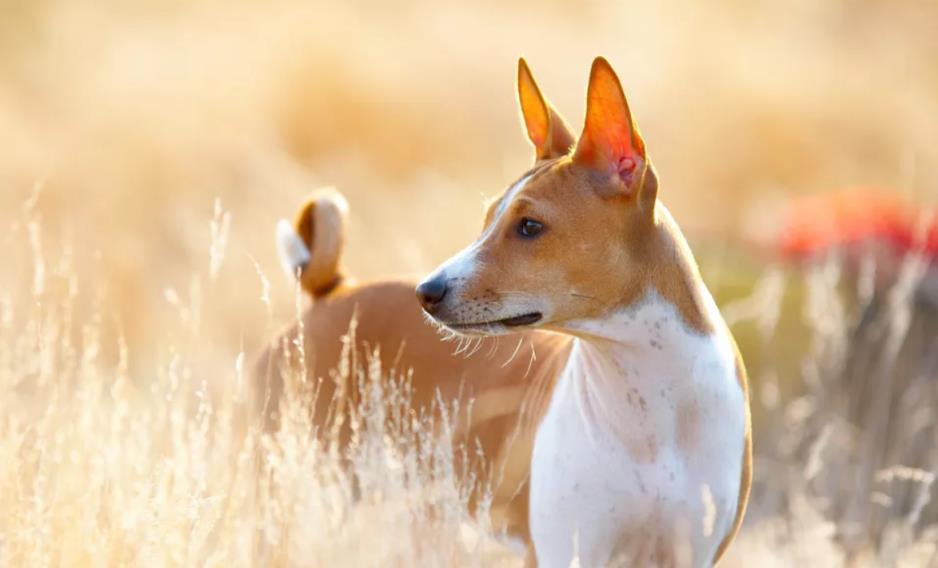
{"x":529,"y":318}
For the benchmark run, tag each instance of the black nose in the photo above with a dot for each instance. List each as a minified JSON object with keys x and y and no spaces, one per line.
{"x":431,"y":292}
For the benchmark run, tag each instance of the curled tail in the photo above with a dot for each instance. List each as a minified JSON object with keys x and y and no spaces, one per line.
{"x":311,"y":247}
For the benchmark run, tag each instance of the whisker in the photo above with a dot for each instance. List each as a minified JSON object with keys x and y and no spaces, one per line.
{"x":587,"y":297}
{"x":517,"y":348}
{"x":468,"y":350}
{"x":531,"y":361}
{"x":514,"y":293}
{"x":478,"y":346}
{"x":463,"y":345}
{"x":493,"y":349}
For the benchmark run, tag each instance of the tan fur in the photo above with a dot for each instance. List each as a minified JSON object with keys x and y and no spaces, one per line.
{"x":320,"y":223}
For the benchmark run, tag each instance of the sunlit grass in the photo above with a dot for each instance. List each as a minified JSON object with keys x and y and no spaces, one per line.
{"x":101,"y":469}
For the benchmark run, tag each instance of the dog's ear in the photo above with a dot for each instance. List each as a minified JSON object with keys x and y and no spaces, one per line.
{"x":546,"y":129}
{"x":610,"y":141}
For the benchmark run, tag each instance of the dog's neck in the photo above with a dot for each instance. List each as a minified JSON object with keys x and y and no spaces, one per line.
{"x":649,"y":329}
{"x":635,"y":359}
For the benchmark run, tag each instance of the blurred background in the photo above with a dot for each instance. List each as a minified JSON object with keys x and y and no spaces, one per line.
{"x":149,"y":148}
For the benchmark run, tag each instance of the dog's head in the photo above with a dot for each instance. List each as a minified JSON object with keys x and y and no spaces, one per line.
{"x":571,"y":237}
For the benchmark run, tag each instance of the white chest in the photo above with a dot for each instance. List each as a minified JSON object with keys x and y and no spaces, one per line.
{"x":638,"y":458}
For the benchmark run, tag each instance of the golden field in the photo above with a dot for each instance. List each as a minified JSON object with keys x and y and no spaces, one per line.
{"x":149,"y":148}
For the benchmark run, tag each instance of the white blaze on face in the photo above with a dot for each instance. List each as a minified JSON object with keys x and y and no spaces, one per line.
{"x":292,"y":250}
{"x":464,"y":264}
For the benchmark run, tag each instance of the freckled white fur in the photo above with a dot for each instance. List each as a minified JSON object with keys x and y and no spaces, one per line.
{"x":594,"y":476}
{"x":291,"y":248}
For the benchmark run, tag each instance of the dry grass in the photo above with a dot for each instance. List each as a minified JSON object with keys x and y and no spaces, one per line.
{"x":132,"y":302}
{"x":99,"y":469}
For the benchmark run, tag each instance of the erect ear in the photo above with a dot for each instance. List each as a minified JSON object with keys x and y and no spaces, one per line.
{"x":610,"y":141}
{"x":546,"y":129}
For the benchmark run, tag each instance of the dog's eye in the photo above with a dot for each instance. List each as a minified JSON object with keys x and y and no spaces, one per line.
{"x":529,"y":228}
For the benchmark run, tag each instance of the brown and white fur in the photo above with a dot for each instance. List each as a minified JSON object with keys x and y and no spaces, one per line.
{"x":647,"y":434}
{"x":642,"y":455}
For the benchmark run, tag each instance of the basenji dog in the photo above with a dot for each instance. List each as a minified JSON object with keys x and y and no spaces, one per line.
{"x":643,"y":457}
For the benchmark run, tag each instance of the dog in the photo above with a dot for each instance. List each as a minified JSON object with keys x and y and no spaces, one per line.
{"x":644,"y":455}
{"x":631,"y":426}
